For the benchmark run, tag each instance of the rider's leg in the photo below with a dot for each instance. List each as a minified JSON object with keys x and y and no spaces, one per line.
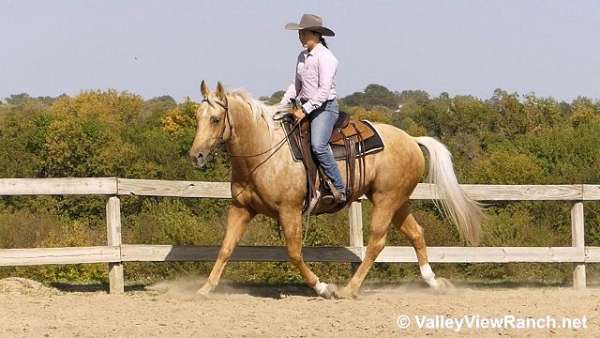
{"x":322,"y":121}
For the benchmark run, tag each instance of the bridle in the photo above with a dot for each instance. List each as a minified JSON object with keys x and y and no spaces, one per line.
{"x":227,"y":120}
{"x":277,"y":146}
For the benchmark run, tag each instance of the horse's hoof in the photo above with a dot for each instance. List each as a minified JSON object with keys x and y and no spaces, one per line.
{"x":344,"y":293}
{"x":328,"y":291}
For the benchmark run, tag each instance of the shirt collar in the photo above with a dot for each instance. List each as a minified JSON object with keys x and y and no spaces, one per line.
{"x":315,"y":48}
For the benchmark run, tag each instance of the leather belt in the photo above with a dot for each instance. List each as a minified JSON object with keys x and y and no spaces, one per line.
{"x":304,"y":100}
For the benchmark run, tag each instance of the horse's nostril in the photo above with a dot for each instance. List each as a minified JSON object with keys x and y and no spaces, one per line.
{"x":200,"y":160}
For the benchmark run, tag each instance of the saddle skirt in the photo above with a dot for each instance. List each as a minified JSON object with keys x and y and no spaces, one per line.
{"x":350,"y":141}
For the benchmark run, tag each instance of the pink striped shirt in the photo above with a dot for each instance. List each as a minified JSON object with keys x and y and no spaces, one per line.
{"x":314,"y":79}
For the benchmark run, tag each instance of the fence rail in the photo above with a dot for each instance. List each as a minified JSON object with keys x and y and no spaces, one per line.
{"x":115,"y":252}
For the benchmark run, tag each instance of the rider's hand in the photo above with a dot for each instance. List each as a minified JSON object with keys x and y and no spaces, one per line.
{"x":298,"y":113}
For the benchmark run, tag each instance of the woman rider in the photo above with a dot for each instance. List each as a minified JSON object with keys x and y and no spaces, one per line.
{"x":314,"y":87}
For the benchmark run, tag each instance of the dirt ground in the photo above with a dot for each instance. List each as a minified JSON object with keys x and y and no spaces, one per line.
{"x":29,"y":309}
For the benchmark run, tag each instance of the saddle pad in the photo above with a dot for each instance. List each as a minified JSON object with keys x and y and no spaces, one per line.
{"x":372,"y":145}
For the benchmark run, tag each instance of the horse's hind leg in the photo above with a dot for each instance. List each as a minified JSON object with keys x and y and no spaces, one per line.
{"x":383,"y":212}
{"x":237,"y":221}
{"x":414,"y":233}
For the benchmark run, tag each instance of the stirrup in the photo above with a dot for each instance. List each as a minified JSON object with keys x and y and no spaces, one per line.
{"x":328,"y":199}
{"x":336,"y":197}
{"x":340,"y":196}
{"x":342,"y":199}
{"x":313,"y":203}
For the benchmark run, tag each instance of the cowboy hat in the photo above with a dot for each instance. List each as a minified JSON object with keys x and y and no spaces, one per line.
{"x":311,"y":22}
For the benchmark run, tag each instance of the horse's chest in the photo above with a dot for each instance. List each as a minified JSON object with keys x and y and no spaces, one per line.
{"x":251,"y":197}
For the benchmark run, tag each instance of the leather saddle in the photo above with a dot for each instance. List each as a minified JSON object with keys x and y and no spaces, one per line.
{"x":351,"y":140}
{"x":345,"y":128}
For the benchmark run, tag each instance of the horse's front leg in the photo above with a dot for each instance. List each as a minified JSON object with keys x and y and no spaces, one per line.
{"x":237,"y":221}
{"x":291,"y":221}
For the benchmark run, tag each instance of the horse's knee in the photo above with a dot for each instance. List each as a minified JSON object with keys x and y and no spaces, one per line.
{"x":294,"y":255}
{"x":225,"y":253}
{"x":295,"y":258}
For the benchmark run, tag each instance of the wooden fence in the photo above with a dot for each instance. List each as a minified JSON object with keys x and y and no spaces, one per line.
{"x":115,"y":252}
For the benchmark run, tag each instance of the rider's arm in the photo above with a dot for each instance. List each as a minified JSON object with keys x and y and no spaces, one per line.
{"x":327,"y":68}
{"x":291,"y":92}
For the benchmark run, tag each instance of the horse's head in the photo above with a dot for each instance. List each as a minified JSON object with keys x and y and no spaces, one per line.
{"x":212,"y":124}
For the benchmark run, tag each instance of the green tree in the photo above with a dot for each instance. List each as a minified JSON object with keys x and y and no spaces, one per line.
{"x":373,"y":95}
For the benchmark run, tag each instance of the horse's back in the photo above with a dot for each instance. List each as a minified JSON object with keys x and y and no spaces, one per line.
{"x":401,"y":162}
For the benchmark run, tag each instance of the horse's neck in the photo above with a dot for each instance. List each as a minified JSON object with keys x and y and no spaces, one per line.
{"x":249,"y":138}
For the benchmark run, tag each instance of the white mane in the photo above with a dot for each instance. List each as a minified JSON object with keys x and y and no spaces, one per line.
{"x":260,"y":109}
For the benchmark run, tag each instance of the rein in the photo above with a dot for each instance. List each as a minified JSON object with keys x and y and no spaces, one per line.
{"x":228,"y":120}
{"x":306,"y":221}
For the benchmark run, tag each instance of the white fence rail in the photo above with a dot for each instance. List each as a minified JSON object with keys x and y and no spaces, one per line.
{"x":115,"y":252}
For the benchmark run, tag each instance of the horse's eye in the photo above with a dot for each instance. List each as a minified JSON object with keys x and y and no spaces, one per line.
{"x":214,"y":119}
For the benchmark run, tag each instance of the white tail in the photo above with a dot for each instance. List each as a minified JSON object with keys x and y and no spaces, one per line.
{"x":452,"y":201}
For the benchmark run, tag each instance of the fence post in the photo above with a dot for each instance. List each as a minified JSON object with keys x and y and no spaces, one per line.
{"x":113,"y":227}
{"x":356,"y":229}
{"x":578,"y":241}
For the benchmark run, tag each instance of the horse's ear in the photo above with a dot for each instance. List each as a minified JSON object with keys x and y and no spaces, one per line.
{"x":204,"y":89}
{"x":220,"y":91}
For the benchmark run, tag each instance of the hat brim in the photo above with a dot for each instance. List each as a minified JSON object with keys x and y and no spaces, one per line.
{"x":323,"y":30}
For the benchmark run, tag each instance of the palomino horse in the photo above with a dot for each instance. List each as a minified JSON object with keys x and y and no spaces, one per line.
{"x":266,"y":180}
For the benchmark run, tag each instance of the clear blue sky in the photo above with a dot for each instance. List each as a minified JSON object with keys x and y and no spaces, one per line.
{"x":167,"y":47}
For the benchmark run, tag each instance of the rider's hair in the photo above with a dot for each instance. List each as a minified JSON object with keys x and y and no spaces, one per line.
{"x":322,"y":39}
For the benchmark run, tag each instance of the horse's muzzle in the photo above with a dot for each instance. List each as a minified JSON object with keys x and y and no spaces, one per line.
{"x":200,"y":161}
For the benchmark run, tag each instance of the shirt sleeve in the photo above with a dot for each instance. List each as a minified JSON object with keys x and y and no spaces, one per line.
{"x":291,"y":92}
{"x":327,"y":68}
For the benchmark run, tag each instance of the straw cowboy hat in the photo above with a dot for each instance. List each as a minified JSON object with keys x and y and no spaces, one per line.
{"x":311,"y":22}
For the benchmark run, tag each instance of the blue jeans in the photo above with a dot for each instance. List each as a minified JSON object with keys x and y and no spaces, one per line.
{"x":322,"y":121}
